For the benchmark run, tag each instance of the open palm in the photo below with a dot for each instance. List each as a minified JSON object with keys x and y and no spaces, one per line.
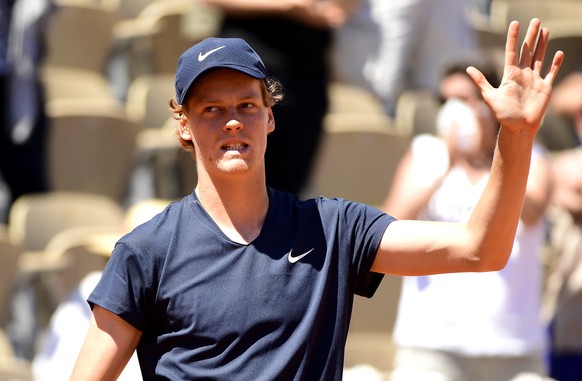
{"x":520,"y":101}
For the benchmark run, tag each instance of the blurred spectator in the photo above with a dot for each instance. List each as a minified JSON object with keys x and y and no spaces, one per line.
{"x":22,"y":118}
{"x":65,"y":334}
{"x":293,"y":38}
{"x":481,"y":8}
{"x":566,"y":102}
{"x":56,"y":356}
{"x":391,"y":46}
{"x":563,"y":299}
{"x":468,"y":326}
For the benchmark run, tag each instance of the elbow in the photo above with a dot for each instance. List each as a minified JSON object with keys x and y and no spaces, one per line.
{"x":494,"y":259}
{"x":497,"y":265}
{"x":488,"y":265}
{"x":490,"y":251}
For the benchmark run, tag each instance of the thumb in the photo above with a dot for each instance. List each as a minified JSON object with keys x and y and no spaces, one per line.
{"x":480,"y":81}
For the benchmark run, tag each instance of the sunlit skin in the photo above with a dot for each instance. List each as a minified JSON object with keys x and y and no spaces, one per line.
{"x":485,"y":241}
{"x":317,"y":13}
{"x":228,"y":122}
{"x":226,"y":109}
{"x":461,"y":86}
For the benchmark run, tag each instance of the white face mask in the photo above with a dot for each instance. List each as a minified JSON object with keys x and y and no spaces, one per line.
{"x":458,"y":124}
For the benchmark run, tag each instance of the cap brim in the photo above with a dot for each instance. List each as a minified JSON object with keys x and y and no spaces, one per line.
{"x":243,"y":69}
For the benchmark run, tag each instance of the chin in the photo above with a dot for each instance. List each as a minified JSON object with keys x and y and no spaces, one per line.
{"x":234,"y":168}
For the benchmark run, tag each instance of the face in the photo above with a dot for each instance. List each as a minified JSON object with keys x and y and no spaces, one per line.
{"x":460,"y":86}
{"x":228,"y":123}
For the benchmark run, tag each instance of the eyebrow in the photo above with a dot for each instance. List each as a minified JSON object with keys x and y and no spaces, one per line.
{"x":251,"y":95}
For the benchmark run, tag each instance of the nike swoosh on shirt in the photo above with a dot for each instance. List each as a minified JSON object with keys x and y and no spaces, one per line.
{"x":293,"y":259}
{"x":202,"y":57}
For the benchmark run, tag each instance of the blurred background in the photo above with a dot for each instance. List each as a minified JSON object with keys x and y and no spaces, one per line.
{"x":88,"y":148}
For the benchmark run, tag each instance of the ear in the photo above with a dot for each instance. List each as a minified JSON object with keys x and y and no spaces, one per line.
{"x":184,"y":128}
{"x":270,"y":121}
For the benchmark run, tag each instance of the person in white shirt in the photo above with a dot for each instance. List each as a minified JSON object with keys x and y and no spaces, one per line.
{"x":466,"y":326}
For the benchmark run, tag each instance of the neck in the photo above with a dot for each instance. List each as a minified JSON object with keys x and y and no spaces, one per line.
{"x":237,"y":205}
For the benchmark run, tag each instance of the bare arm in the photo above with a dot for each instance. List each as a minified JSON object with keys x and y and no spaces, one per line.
{"x":484,"y":243}
{"x":408,"y":195}
{"x":108,"y":347}
{"x":312,"y":12}
{"x":538,"y":191}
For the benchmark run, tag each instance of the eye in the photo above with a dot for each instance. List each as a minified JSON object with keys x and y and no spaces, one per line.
{"x":211,"y":109}
{"x":249,"y":107}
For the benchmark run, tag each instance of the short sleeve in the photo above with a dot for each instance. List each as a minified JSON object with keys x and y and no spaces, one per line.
{"x":365,"y":227}
{"x":125,"y":287}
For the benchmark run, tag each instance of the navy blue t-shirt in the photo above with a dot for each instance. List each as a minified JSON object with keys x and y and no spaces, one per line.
{"x":275,"y":309}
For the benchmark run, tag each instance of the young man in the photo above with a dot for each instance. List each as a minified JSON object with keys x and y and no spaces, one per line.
{"x":240,"y":281}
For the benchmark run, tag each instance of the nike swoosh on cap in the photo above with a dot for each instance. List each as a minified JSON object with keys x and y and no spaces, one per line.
{"x":297,"y":258}
{"x":202,"y":57}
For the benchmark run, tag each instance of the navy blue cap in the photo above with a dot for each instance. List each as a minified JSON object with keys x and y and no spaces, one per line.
{"x":211,"y":53}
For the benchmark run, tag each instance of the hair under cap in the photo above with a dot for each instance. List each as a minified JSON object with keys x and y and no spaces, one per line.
{"x":211,"y":53}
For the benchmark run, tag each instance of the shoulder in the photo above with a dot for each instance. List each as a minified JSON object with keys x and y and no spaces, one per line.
{"x":154,"y":234}
{"x":352,"y":216}
{"x":426,"y":146}
{"x":330,"y":210}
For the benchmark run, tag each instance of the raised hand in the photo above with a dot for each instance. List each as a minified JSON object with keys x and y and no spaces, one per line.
{"x":520,"y":101}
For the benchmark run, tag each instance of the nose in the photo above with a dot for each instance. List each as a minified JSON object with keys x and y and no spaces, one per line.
{"x":234,"y":123}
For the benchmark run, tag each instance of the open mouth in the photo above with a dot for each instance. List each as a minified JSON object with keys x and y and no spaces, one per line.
{"x":234,"y":147}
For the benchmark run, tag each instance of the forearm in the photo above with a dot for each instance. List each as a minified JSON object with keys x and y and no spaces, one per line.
{"x":538,"y":190}
{"x":406,"y":206}
{"x":410,"y":192}
{"x":252,"y":6}
{"x":278,"y":6}
{"x":493,"y":224}
{"x":310,"y":12}
{"x":519,"y":104}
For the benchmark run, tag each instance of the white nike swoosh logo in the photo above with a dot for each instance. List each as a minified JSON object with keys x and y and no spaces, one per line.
{"x":293,"y":259}
{"x":202,"y":57}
